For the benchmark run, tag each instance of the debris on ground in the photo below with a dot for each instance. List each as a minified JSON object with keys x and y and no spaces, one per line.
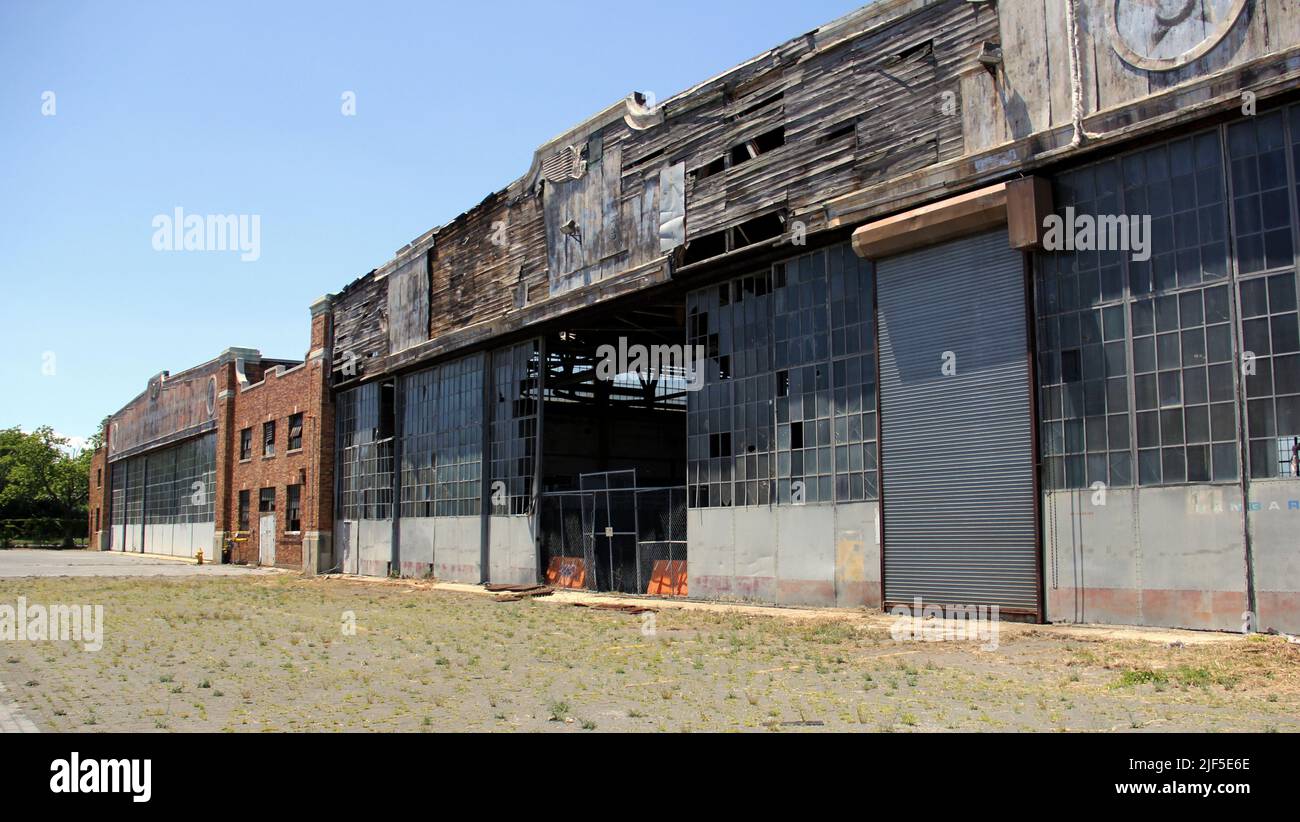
{"x":514,"y":593}
{"x":614,"y":606}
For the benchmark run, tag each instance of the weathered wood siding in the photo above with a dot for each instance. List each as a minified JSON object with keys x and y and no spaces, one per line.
{"x":900,"y":102}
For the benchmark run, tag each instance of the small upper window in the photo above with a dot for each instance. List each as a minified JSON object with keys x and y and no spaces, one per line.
{"x":268,"y":439}
{"x":295,"y":432}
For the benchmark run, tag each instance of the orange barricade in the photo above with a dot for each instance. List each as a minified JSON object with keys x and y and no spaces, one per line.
{"x":668,"y":578}
{"x":567,"y":572}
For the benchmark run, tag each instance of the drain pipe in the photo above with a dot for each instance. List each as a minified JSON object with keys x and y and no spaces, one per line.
{"x":1076,"y":75}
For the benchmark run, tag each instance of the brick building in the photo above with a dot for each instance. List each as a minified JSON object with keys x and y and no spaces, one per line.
{"x":222,"y":458}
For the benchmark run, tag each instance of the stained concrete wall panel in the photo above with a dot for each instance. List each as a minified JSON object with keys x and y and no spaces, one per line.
{"x":346,"y":536}
{"x":857,"y":555}
{"x":512,"y":555}
{"x":417,"y":541}
{"x":374,"y":546}
{"x":1150,"y":556}
{"x":755,"y":563}
{"x":711,"y":553}
{"x":456,"y":549}
{"x":805,"y":555}
{"x":791,"y":555}
{"x":1274,"y":526}
{"x":205,"y":537}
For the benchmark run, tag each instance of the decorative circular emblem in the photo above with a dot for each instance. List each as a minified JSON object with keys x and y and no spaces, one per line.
{"x":212,"y":394}
{"x":1164,"y":34}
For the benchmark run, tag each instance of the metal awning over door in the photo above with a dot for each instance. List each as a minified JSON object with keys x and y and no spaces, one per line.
{"x":956,"y":445}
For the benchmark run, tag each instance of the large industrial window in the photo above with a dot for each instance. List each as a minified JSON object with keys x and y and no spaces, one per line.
{"x":160,"y":503}
{"x":788,"y":409}
{"x":417,"y":443}
{"x":1211,"y":317}
{"x":168,"y":486}
{"x":729,"y":422}
{"x":1183,"y":387}
{"x":442,"y":436}
{"x":117,"y":494}
{"x":365,"y":452}
{"x":514,"y":428}
{"x":1133,"y":354}
{"x":194,"y":482}
{"x":134,"y":507}
{"x":458,"y":438}
{"x":1270,"y":333}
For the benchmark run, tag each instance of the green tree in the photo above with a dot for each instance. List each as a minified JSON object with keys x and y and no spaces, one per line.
{"x":39,"y":474}
{"x":96,"y":440}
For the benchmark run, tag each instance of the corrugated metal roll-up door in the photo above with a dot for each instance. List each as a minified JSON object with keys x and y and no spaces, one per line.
{"x":957,"y":449}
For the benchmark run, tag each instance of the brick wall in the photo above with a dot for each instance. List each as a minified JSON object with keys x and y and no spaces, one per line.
{"x":281,"y":394}
{"x":97,"y":513}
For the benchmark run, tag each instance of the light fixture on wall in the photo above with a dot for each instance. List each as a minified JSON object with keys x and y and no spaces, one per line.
{"x":570,"y":229}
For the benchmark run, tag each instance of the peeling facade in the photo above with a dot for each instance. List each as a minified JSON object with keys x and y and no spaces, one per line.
{"x":909,"y":386}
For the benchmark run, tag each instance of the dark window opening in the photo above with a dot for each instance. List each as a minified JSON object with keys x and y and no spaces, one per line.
{"x":99,"y":477}
{"x":268,"y":439}
{"x":243,"y":511}
{"x":293,"y":502}
{"x":708,"y":170}
{"x":759,"y":229}
{"x":246,"y":444}
{"x":762,"y":144}
{"x":766,"y":227}
{"x":720,"y":445}
{"x":387,"y":413}
{"x":295,"y":432}
{"x":842,"y":130}
{"x":266,"y":501}
{"x":1071,"y":368}
{"x":702,"y":248}
{"x":920,"y":51}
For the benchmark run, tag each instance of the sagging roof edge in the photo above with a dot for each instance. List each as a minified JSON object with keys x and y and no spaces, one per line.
{"x":876,"y":14}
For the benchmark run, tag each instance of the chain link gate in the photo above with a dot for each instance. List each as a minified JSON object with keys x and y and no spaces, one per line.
{"x":611,"y":535}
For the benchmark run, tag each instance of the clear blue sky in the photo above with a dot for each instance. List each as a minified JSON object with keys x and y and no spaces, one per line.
{"x":234,"y":108}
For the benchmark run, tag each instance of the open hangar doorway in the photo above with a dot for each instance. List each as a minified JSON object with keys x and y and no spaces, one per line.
{"x":613,"y":445}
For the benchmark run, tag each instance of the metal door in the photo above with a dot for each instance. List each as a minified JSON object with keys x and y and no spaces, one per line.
{"x":609,"y":514}
{"x":266,"y":540}
{"x":956,"y":436}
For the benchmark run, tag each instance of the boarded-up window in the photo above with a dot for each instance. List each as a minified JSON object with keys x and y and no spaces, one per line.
{"x":408,"y":304}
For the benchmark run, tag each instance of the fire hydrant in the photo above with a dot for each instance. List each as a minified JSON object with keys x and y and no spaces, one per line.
{"x":199,"y":556}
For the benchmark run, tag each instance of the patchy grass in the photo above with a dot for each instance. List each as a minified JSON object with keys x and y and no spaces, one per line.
{"x":271,"y":653}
